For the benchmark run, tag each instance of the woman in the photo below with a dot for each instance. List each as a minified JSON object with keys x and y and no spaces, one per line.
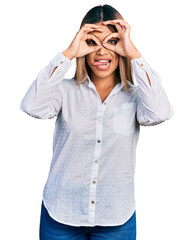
{"x":89,"y":193}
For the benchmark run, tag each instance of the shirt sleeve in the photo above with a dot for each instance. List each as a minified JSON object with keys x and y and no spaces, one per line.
{"x":43,"y":99}
{"x":153,"y":106}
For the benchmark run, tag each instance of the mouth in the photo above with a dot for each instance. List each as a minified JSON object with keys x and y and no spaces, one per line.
{"x":102,"y":64}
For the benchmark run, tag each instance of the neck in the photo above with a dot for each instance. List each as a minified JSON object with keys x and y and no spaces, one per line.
{"x":105,"y":83}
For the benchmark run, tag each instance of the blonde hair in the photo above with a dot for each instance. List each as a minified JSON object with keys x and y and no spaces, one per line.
{"x":124,"y":70}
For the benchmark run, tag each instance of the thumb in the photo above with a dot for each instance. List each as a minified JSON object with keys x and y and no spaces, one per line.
{"x":95,"y":48}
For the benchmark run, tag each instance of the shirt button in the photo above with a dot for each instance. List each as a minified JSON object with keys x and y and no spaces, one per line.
{"x":142,"y":64}
{"x":96,"y":161}
{"x":94,"y":181}
{"x":61,"y":62}
{"x":92,"y":202}
{"x":105,"y":103}
{"x":98,"y":141}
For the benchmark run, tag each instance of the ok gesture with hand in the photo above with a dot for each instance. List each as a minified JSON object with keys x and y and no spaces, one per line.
{"x":79,"y":46}
{"x":124,"y":46}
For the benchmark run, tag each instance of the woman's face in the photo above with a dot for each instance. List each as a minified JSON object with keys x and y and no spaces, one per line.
{"x":100,"y":69}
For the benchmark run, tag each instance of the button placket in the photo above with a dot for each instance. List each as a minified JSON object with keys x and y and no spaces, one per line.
{"x":95,"y":166}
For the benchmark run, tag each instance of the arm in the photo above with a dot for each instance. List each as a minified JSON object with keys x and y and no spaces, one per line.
{"x":43,"y":98}
{"x":153,"y":106}
{"x":66,"y":54}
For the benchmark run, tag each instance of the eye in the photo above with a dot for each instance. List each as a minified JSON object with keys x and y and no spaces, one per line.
{"x":90,"y":42}
{"x":113,"y":41}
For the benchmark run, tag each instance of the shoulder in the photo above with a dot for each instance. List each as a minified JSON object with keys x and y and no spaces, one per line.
{"x":68,"y":83}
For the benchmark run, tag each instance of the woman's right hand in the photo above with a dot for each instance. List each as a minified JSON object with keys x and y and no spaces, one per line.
{"x":79,"y":47}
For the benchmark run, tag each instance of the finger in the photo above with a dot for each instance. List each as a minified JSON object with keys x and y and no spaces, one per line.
{"x":85,"y":26}
{"x":113,"y":20}
{"x":108,"y":46}
{"x":91,"y":29}
{"x":117,"y":25}
{"x":97,"y":30}
{"x":125,"y":25}
{"x":121,"y":22}
{"x":112,"y":35}
{"x":122,"y":26}
{"x":91,"y":25}
{"x":84,"y":32}
{"x":95,"y":48}
{"x":117,"y":21}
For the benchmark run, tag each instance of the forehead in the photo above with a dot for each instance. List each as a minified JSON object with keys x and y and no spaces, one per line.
{"x":101,"y":35}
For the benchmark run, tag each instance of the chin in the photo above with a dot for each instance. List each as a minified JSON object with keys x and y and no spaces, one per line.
{"x":102,"y":74}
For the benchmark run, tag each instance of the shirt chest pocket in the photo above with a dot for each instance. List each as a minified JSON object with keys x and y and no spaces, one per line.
{"x":124,"y":118}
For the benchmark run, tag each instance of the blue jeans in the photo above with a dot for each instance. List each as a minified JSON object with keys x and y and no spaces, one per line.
{"x":50,"y":229}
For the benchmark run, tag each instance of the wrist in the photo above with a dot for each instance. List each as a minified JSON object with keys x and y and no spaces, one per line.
{"x":134,"y":55}
{"x":67,"y":54}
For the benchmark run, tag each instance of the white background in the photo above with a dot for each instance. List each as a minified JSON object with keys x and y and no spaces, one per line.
{"x":32,"y":33}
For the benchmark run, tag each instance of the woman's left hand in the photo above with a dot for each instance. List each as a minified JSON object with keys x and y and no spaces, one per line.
{"x":124,"y":46}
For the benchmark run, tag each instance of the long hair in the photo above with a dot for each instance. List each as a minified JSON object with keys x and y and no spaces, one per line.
{"x":95,"y":15}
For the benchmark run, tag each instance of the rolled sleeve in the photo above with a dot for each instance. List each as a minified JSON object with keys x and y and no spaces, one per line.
{"x":62,"y":62}
{"x":153,"y":106}
{"x":44,"y":97}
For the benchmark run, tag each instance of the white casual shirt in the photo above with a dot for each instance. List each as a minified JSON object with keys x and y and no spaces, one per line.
{"x":91,"y":177}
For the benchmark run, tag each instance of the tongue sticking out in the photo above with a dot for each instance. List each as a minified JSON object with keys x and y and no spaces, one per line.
{"x":100,"y":63}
